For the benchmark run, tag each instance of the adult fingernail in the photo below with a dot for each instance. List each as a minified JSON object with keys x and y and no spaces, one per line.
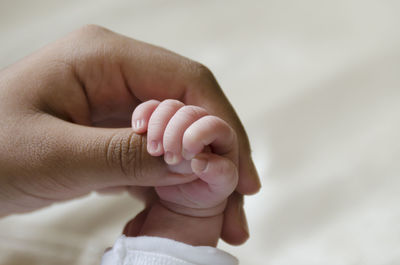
{"x":199,"y":165}
{"x":171,"y":158}
{"x":154,"y":147}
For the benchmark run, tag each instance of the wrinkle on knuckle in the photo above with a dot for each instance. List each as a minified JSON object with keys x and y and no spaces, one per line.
{"x":124,"y":153}
{"x":203,"y":76}
{"x":94,"y":40}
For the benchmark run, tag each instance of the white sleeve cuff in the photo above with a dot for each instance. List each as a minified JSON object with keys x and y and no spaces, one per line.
{"x":145,"y":250}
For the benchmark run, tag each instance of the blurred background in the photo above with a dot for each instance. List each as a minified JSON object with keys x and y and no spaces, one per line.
{"x":316,"y":84}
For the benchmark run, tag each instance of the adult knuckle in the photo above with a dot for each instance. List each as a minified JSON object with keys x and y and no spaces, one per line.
{"x":202,"y":72}
{"x":124,"y":153}
{"x":89,"y":43}
{"x":90,"y":35}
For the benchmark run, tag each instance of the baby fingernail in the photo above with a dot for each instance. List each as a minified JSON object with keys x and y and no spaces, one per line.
{"x":154,"y":147}
{"x":138,"y":124}
{"x":170,"y":158}
{"x":199,"y":165}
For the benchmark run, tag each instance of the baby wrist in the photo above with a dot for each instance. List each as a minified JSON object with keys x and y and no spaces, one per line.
{"x":194,"y":212}
{"x":196,"y":231}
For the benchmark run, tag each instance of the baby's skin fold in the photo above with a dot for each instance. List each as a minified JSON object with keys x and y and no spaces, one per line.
{"x":200,"y":146}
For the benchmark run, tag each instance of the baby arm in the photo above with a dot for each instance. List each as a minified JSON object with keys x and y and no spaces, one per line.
{"x":195,"y":143}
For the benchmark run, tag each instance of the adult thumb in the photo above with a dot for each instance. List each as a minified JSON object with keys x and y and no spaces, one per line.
{"x":60,"y":160}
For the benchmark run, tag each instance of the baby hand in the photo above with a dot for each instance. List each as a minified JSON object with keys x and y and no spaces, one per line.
{"x":192,"y":142}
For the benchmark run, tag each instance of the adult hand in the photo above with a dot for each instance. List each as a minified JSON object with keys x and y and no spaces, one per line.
{"x":60,"y":107}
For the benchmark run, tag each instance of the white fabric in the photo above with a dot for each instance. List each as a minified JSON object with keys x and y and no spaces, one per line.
{"x":146,"y":250}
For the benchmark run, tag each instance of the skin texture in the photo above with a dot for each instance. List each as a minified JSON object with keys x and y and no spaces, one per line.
{"x":212,"y":144}
{"x":191,"y":212}
{"x":195,"y":231}
{"x":161,"y":222}
{"x":65,"y":112}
